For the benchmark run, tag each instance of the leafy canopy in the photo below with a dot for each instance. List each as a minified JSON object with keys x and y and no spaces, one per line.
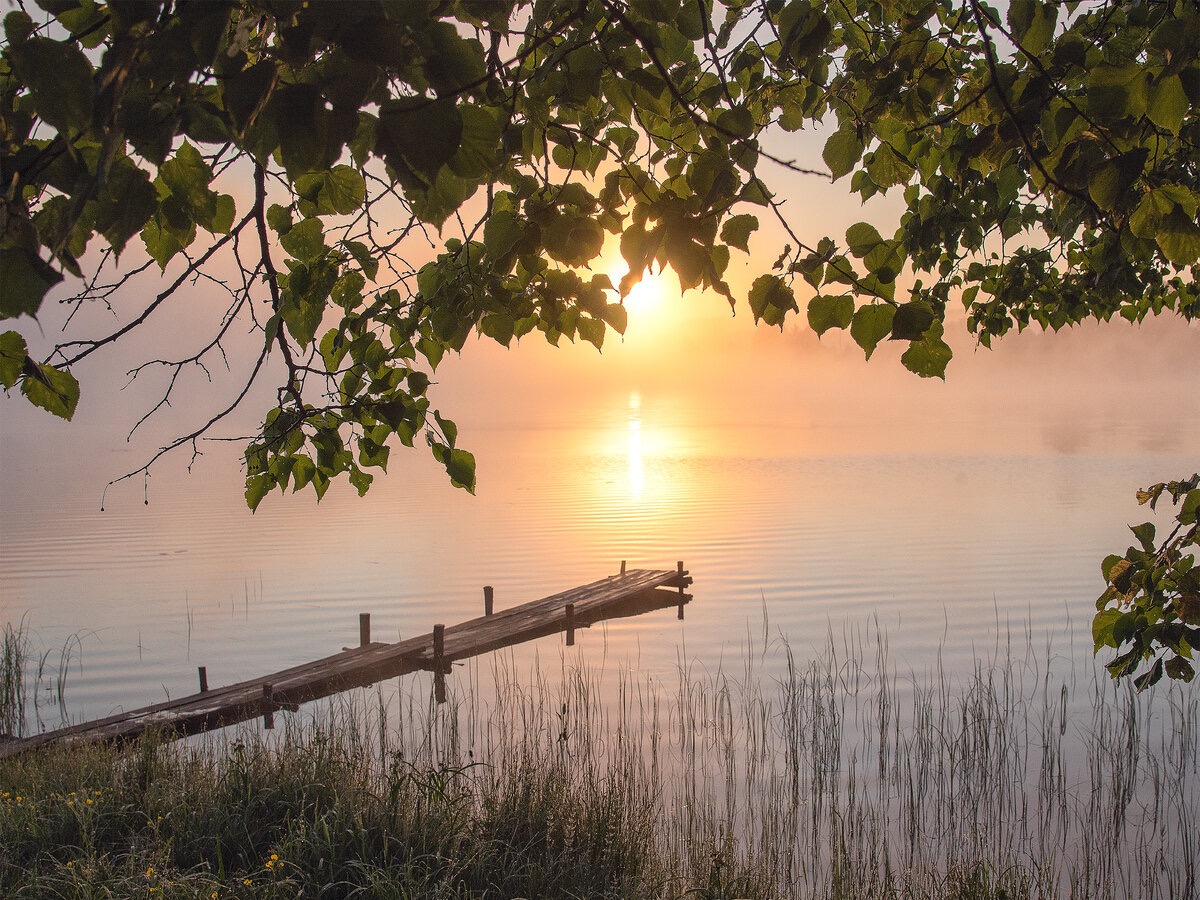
{"x":1047,"y":159}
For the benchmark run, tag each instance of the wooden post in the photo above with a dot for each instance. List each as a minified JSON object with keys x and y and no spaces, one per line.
{"x":679,"y":569}
{"x":203,"y":670}
{"x":622,"y":568}
{"x":488,"y":595}
{"x":269,"y":701}
{"x":439,"y":663}
{"x":364,"y":629}
{"x":570,"y":624}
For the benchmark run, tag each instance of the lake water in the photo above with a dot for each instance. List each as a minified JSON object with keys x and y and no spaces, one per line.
{"x":948,"y":553}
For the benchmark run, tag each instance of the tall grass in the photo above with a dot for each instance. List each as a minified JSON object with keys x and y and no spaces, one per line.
{"x":840,"y":776}
{"x":837,"y":776}
{"x":29,"y":681}
{"x":14,"y":685}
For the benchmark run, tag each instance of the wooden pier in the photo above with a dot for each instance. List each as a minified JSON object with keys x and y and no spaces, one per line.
{"x":629,"y":593}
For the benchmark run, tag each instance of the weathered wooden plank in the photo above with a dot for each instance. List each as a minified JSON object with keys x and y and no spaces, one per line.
{"x":628,"y":594}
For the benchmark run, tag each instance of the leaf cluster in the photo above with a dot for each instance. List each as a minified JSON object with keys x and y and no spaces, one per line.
{"x":1150,"y":611}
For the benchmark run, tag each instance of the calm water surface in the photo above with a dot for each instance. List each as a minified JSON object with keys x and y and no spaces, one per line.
{"x":949,"y":554}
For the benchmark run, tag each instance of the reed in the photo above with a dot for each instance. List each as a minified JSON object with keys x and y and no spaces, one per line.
{"x":30,"y":681}
{"x":13,"y":681}
{"x":828,"y":775}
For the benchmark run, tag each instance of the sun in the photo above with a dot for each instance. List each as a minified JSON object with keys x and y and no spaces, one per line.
{"x":649,"y":298}
{"x":649,"y":295}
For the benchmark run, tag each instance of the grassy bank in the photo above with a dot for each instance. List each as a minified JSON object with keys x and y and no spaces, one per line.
{"x":833,"y":778}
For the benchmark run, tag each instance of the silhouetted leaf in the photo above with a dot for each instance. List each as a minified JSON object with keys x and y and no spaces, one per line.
{"x":59,"y":78}
{"x":24,"y":281}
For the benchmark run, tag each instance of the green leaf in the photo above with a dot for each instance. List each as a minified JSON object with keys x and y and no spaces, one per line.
{"x":320,"y":483}
{"x":591,"y":330}
{"x":826,"y":312}
{"x":362,"y":255}
{"x":1180,"y":669}
{"x":160,"y":243}
{"x":12,"y":357}
{"x":737,"y":230}
{"x":862,"y":238}
{"x":770,"y":299}
{"x":302,"y":315}
{"x":1105,"y":186}
{"x":439,"y":201}
{"x":448,"y":429}
{"x":617,"y":316}
{"x":59,"y":77}
{"x":1151,"y":678}
{"x":340,"y":191}
{"x":887,"y":168}
{"x":478,"y":151}
{"x":1102,"y":628}
{"x":1116,"y":91}
{"x":305,"y":241}
{"x":421,"y":134}
{"x":52,"y":389}
{"x":361,"y":480}
{"x":928,"y":357}
{"x":500,"y":327}
{"x":257,"y":487}
{"x":1154,"y":206}
{"x":1190,"y":509}
{"x":24,"y":280}
{"x":303,"y":471}
{"x":187,"y":176}
{"x":843,"y":150}
{"x":18,"y":27}
{"x":912,"y":320}
{"x":372,"y":454}
{"x":279,"y":218}
{"x":460,"y":466}
{"x":242,"y":93}
{"x":1178,"y":237}
{"x":871,"y":324}
{"x":347,"y":290}
{"x":1169,"y":104}
{"x":126,"y":204}
{"x":502,"y":232}
{"x":737,"y":122}
{"x":1032,"y":24}
{"x":456,"y":61}
{"x":1145,"y":535}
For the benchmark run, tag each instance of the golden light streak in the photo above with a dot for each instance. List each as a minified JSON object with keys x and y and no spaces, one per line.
{"x":636,"y":451}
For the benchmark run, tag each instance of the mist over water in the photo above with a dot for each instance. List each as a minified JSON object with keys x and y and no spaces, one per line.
{"x":948,"y":553}
{"x":807,"y":492}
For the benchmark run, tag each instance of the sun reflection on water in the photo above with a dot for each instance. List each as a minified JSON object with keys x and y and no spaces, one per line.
{"x":637,"y":463}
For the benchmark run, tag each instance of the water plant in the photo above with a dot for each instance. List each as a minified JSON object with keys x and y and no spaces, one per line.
{"x":830,"y":774}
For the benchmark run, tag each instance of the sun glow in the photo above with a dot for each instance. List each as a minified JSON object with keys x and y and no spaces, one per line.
{"x":636,"y":452}
{"x":649,"y":296}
